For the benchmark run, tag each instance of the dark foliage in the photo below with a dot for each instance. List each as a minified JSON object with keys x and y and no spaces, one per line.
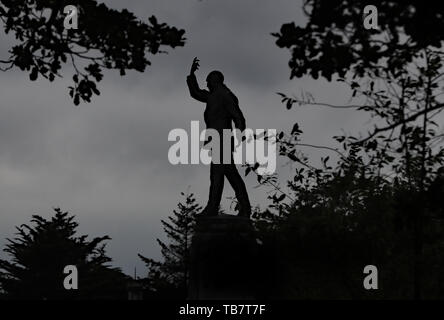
{"x":381,"y":202}
{"x":39,"y":254}
{"x":105,"y":39}
{"x":168,"y":278}
{"x":334,"y":41}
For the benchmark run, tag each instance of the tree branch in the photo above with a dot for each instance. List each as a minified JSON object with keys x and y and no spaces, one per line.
{"x":320,"y":147}
{"x":396,"y":124}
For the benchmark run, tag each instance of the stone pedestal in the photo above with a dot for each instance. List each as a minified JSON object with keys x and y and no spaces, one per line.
{"x":223,"y":259}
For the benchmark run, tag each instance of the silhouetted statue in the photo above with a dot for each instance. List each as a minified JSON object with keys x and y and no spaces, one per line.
{"x":222,"y":108}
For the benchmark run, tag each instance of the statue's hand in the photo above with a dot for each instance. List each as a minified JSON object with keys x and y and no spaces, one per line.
{"x":195,"y":65}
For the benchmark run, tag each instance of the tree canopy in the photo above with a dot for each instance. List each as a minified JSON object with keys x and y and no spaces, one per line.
{"x":105,"y":39}
{"x":388,"y":183}
{"x":335,"y":41}
{"x":41,"y":250}
{"x":170,"y":276}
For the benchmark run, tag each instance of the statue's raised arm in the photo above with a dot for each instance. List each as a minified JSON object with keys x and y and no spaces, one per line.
{"x":197,"y":93}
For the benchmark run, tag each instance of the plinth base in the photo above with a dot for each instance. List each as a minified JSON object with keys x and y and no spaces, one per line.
{"x":223,"y":259}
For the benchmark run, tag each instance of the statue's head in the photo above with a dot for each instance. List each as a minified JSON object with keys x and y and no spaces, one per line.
{"x":214,"y":80}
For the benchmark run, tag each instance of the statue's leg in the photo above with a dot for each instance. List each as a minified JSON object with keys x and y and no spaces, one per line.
{"x":240,"y":189}
{"x":216,"y":188}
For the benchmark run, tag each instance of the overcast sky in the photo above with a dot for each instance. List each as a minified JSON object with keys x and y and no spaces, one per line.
{"x":106,"y":162}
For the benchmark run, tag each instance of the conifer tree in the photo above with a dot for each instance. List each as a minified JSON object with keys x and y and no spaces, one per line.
{"x":41,"y":250}
{"x":173,"y":270}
